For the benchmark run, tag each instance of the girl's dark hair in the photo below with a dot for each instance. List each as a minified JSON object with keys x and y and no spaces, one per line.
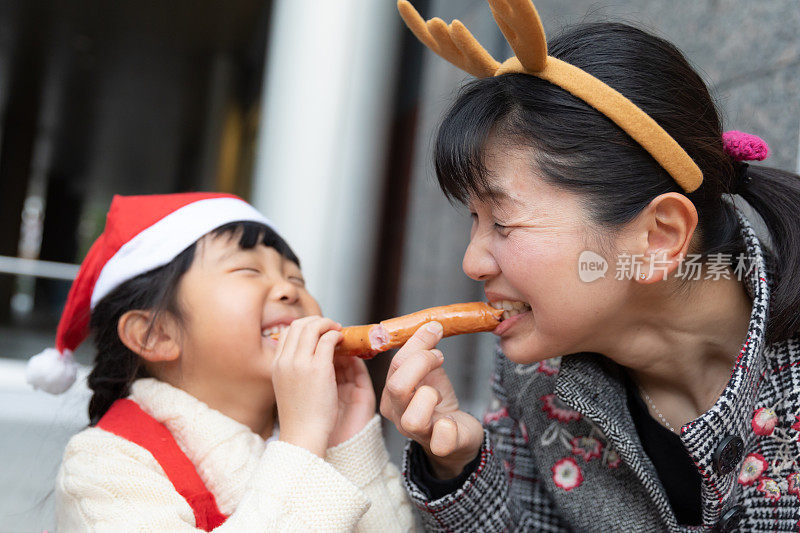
{"x":115,"y":366}
{"x":581,"y":150}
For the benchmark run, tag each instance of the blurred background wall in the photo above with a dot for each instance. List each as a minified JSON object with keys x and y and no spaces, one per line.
{"x":320,"y":113}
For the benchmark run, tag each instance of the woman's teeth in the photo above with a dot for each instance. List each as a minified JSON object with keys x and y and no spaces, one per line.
{"x":274,"y":330}
{"x":511,"y":307}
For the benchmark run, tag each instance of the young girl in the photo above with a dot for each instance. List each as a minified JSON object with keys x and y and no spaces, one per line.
{"x":182,"y":293}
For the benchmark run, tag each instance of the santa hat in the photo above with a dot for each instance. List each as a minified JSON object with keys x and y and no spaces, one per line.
{"x":141,"y":233}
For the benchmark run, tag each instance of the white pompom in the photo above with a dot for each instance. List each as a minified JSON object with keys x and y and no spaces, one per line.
{"x":51,"y":371}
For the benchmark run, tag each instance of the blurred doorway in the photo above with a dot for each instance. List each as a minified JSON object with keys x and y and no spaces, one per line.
{"x":100,"y":98}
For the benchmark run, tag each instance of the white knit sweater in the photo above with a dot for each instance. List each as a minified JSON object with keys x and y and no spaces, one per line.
{"x":107,"y":483}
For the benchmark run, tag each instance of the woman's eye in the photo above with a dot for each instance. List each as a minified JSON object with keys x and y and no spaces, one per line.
{"x":298,"y":280}
{"x":248,"y":269}
{"x":501,"y":229}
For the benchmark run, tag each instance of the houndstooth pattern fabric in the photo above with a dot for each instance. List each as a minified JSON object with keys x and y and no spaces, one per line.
{"x":561,"y":451}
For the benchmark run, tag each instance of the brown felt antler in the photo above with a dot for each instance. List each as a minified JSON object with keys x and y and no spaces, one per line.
{"x":520,"y":23}
{"x":453,"y":42}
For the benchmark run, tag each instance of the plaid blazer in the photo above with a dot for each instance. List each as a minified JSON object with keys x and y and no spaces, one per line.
{"x":561,"y":452}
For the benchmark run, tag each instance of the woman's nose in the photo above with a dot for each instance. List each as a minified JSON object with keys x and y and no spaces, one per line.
{"x":478,"y":263}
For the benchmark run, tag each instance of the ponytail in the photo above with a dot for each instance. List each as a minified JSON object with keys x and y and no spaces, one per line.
{"x":775,"y":195}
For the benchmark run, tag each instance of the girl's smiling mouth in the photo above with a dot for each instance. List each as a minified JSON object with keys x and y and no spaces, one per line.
{"x":277,"y":325}
{"x":273,"y":330}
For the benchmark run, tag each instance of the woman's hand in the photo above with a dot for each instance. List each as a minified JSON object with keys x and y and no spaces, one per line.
{"x":356,"y":399}
{"x":304,"y":380}
{"x":420,"y":400}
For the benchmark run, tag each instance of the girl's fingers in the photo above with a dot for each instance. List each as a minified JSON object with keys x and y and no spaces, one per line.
{"x":323,"y":354}
{"x":361,"y":374}
{"x":310,"y":335}
{"x":418,"y":417}
{"x":444,"y":437}
{"x":353,"y":369}
{"x":340,"y":371}
{"x":293,"y":335}
{"x":281,"y":343}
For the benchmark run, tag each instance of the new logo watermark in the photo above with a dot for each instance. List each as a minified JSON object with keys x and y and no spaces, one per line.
{"x":591,"y":266}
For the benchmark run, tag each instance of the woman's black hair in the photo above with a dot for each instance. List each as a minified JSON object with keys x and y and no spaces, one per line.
{"x":116,"y":366}
{"x":579,"y":149}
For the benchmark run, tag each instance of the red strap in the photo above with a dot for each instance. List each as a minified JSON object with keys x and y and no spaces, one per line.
{"x":127,"y":420}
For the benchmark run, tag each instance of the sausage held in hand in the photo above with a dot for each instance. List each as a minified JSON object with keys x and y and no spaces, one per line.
{"x":456,"y":319}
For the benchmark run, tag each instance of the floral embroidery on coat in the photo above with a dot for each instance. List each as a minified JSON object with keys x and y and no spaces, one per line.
{"x":549,"y":367}
{"x":612,"y":458}
{"x":769,"y":477}
{"x":556,"y":410}
{"x":752,"y":468}
{"x":796,"y":426}
{"x":567,"y":474}
{"x":591,"y":446}
{"x":586,"y":447}
{"x":769,"y":489}
{"x":793,"y":484}
{"x":764,"y":421}
{"x":494,"y":416}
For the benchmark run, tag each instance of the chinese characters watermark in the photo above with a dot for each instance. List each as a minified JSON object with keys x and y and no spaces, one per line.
{"x":592,"y":266}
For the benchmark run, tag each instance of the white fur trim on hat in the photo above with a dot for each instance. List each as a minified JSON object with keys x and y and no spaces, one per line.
{"x":51,"y":371}
{"x":166,"y":239}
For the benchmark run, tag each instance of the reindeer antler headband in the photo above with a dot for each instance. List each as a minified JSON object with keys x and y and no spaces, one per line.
{"x":520,"y":23}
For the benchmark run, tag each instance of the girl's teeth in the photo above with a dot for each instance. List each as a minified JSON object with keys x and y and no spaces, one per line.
{"x":273,"y":330}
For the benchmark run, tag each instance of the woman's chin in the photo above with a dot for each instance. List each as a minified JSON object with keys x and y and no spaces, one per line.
{"x":523,"y":349}
{"x":517,"y":351}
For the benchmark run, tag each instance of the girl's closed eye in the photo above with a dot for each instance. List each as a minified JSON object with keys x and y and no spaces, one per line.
{"x":297,"y":280}
{"x":248,"y":268}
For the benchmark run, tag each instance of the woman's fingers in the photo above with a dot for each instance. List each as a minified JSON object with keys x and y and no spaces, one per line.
{"x":425,"y":338}
{"x":402,"y":384}
{"x":417,"y":419}
{"x":415,"y":360}
{"x":444,"y":437}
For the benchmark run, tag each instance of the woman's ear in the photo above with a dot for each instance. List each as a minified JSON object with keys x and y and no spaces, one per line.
{"x":152,"y":341}
{"x":667,"y":227}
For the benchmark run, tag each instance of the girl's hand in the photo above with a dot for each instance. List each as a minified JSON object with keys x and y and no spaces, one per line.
{"x":420,"y":400}
{"x":356,"y":399}
{"x":305,"y":382}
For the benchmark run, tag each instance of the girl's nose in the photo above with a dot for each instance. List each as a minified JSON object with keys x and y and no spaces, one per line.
{"x":284,"y":291}
{"x":478,"y":263}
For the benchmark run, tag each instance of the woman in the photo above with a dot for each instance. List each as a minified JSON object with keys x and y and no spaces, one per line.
{"x":656,"y":395}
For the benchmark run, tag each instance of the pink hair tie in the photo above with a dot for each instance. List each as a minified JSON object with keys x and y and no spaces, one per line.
{"x":741,"y":146}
